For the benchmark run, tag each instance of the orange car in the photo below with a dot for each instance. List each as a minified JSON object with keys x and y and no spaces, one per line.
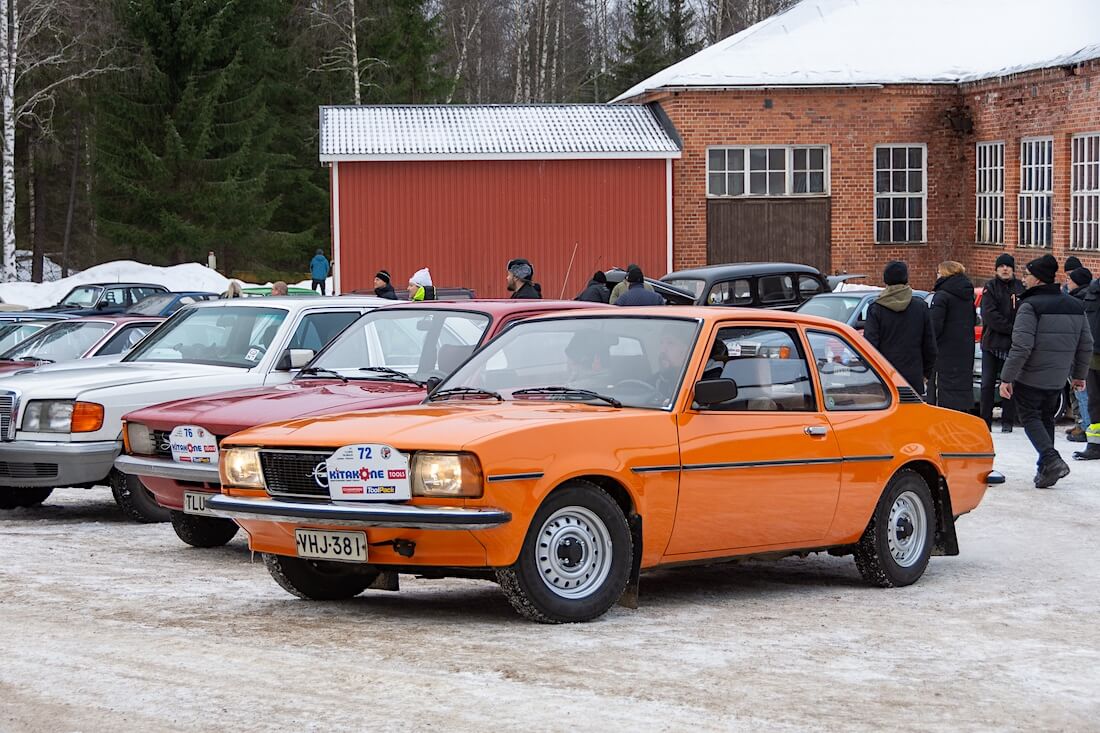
{"x":576,"y":450}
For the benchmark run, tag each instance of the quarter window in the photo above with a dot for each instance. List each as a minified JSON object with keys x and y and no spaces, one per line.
{"x":847,"y":381}
{"x":990,"y":186}
{"x":1036,"y":192}
{"x":900,"y":194}
{"x":1084,"y":232}
{"x":768,"y":171}
{"x":768,"y":366}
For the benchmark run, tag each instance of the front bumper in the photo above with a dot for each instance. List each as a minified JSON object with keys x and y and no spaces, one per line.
{"x":206,"y":473}
{"x":27,"y":463}
{"x":344,"y":514}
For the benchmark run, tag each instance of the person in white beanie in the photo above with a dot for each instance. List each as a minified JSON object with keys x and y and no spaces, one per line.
{"x":420,"y":285}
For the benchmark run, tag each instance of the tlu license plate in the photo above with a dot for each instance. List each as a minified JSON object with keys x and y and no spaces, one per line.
{"x":346,"y":546}
{"x":195,"y":503}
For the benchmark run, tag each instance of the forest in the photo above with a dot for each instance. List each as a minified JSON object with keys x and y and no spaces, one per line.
{"x":160,"y":130}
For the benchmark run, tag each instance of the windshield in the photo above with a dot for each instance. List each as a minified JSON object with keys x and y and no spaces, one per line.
{"x":638,"y":361}
{"x":82,"y":297}
{"x":151,"y":306}
{"x":235,"y":336}
{"x":420,"y":343}
{"x":14,"y":333}
{"x":59,"y":342}
{"x":695,"y":287}
{"x":834,"y":308}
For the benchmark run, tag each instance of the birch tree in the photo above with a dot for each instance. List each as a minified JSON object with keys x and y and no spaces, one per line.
{"x":338,"y":23}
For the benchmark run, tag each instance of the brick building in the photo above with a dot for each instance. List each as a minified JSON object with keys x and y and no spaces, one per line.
{"x":845,"y":134}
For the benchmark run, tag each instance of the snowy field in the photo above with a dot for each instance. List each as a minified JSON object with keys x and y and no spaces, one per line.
{"x":112,"y":626}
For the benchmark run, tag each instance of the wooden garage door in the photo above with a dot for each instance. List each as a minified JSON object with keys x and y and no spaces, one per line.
{"x":770,"y":230}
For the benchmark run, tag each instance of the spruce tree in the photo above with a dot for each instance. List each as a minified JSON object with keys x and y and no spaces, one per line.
{"x":679,"y":22}
{"x":407,"y":40}
{"x":642,"y":51}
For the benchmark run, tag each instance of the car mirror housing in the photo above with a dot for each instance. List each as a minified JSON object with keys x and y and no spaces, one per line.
{"x":294,"y":359}
{"x":715,"y":391}
{"x":432,"y":383}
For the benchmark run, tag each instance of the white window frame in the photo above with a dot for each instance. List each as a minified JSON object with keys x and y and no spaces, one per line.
{"x":989,"y":192}
{"x":890,"y":195}
{"x":1084,"y":223}
{"x":788,"y":183}
{"x":1036,"y":193}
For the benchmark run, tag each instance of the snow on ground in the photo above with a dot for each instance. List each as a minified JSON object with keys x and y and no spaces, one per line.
{"x":111,"y":625}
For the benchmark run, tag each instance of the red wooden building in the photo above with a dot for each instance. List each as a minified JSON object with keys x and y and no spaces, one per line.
{"x":463,"y":189}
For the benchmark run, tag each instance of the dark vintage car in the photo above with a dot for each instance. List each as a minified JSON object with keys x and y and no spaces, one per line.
{"x":779,"y":285}
{"x":103,"y":298}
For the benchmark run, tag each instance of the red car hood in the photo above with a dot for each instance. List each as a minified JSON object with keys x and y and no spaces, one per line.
{"x":7,"y":367}
{"x":228,"y":412}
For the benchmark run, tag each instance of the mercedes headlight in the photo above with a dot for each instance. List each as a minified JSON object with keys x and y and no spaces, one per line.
{"x":48,"y":416}
{"x":446,"y":474}
{"x":140,"y":439}
{"x":240,"y":467}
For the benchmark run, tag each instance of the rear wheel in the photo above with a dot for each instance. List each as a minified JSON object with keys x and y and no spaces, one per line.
{"x":895,"y":548}
{"x":17,"y":498}
{"x":319,"y":580}
{"x":575,"y":560}
{"x":203,"y":531}
{"x":134,"y":499}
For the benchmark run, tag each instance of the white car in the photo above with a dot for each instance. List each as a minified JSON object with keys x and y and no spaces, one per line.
{"x":63,"y":427}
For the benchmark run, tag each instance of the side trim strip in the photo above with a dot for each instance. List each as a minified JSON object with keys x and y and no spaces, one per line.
{"x":513,"y":477}
{"x":654,"y":469}
{"x":968,"y":455}
{"x":867,"y":459}
{"x":787,"y":462}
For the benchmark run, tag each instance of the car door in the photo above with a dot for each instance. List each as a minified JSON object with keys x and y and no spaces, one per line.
{"x":764,"y":468}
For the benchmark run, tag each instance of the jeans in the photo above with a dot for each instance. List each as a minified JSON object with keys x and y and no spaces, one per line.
{"x":1036,"y":409}
{"x":319,"y":284}
{"x":991,"y":375}
{"x":1082,"y":408}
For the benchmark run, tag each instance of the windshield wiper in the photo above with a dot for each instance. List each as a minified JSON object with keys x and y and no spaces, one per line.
{"x":464,"y":391}
{"x":321,"y":372}
{"x":587,"y":393}
{"x":395,"y":373}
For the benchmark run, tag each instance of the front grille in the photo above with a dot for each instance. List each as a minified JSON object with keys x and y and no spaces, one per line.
{"x":291,"y":473}
{"x":7,"y":407}
{"x":908,"y":394}
{"x":28,"y":470}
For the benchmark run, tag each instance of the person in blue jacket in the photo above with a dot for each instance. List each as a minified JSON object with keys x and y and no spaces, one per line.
{"x":318,"y":270}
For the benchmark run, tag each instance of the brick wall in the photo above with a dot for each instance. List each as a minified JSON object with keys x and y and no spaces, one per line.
{"x":852,"y":121}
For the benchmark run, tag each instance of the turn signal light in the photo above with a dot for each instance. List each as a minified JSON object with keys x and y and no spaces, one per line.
{"x":87,"y":417}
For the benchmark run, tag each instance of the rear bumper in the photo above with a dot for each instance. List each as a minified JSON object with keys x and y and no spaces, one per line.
{"x":203,"y":473}
{"x":27,"y":463}
{"x":375,"y":514}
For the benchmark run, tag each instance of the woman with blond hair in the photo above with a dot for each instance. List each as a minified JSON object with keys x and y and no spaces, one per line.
{"x":953,"y":321}
{"x":232,"y":290}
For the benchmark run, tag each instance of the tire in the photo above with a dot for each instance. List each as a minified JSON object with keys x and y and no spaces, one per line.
{"x":134,"y":499}
{"x":19,"y":498}
{"x":203,"y":531}
{"x":318,"y":580}
{"x":895,"y":548}
{"x":579,"y":529}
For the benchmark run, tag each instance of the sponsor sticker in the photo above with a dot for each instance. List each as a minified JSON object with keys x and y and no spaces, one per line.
{"x":193,"y":444}
{"x":367,"y":471}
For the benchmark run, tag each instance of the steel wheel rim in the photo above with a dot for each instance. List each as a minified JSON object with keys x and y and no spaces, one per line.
{"x":907,"y":529}
{"x":573,"y":552}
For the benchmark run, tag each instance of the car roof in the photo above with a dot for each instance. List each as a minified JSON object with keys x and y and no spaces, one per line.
{"x":733,"y":269}
{"x":707,"y":314}
{"x":495,"y":307}
{"x":294,"y":303}
{"x":122,"y":284}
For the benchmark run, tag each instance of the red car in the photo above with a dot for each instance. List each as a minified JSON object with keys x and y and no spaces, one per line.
{"x":78,"y":338}
{"x":389,"y":357}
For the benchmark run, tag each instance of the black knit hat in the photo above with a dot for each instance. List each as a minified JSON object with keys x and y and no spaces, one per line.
{"x":895,"y":273}
{"x":383,"y":276}
{"x":1044,"y":268}
{"x":634,"y":274}
{"x":600,"y":277}
{"x":1072,"y":263}
{"x":1006,"y":259}
{"x":1081,"y":277}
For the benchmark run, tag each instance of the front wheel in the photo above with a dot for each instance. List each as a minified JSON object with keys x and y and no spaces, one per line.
{"x":19,"y":498}
{"x":575,"y":560}
{"x":318,"y":580}
{"x":203,"y":531}
{"x":895,"y":548}
{"x":134,"y":499}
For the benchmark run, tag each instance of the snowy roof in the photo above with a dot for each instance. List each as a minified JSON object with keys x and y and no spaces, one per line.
{"x":852,"y":42}
{"x":510,"y":131}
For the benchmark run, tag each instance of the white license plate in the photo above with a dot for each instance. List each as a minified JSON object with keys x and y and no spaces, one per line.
{"x":195,"y":503}
{"x":325,"y":545}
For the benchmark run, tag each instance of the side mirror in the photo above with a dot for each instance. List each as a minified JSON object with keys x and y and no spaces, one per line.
{"x":294,"y":359}
{"x":715,"y":391}
{"x":101,"y":305}
{"x":432,"y":383}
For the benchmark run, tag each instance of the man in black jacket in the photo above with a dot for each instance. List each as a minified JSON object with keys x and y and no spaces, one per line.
{"x":1051,"y":342}
{"x":596,"y":291}
{"x":900,"y":327}
{"x":520,"y":273}
{"x":1092,"y":313}
{"x":1000,"y":299}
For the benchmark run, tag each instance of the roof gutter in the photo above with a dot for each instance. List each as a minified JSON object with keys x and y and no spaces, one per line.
{"x":645,"y":154}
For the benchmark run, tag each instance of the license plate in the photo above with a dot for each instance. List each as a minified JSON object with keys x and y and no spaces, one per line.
{"x":324,"y":545}
{"x":195,"y":503}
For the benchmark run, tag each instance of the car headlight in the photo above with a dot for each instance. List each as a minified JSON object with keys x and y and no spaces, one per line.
{"x":48,"y":416}
{"x":446,"y":474}
{"x":140,"y":439}
{"x":240,"y":467}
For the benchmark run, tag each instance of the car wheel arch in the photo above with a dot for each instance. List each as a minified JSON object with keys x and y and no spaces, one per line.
{"x":945,"y":541}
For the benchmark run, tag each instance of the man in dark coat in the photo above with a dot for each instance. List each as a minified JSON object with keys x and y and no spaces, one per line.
{"x":1000,"y":299}
{"x":520,"y":273}
{"x":1079,"y":281}
{"x":382,"y":286}
{"x":1092,"y":434}
{"x":900,"y":327}
{"x":596,"y":291}
{"x":636,"y":293}
{"x":953,"y":321}
{"x":1051,"y":342}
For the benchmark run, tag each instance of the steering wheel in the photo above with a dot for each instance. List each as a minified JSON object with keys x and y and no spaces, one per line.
{"x":650,"y":391}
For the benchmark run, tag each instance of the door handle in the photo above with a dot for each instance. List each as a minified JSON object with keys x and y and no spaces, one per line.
{"x":815,"y":430}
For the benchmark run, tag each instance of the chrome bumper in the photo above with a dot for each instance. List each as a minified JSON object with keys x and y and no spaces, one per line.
{"x":206,"y":473}
{"x":375,"y":514}
{"x":40,"y":463}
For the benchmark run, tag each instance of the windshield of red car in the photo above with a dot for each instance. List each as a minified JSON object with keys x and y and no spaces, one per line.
{"x":59,"y":342}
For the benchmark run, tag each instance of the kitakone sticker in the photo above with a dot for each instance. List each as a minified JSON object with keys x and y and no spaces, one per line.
{"x":366,"y":471}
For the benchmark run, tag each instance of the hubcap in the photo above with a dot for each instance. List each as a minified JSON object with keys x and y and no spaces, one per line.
{"x":573,"y":553}
{"x":906,"y":530}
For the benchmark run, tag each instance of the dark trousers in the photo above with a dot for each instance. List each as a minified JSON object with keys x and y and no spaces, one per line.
{"x":319,"y":284}
{"x":1036,"y":408}
{"x":1092,"y":386}
{"x":991,"y":375}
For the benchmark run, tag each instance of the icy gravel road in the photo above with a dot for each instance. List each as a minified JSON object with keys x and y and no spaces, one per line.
{"x":110,"y":626}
